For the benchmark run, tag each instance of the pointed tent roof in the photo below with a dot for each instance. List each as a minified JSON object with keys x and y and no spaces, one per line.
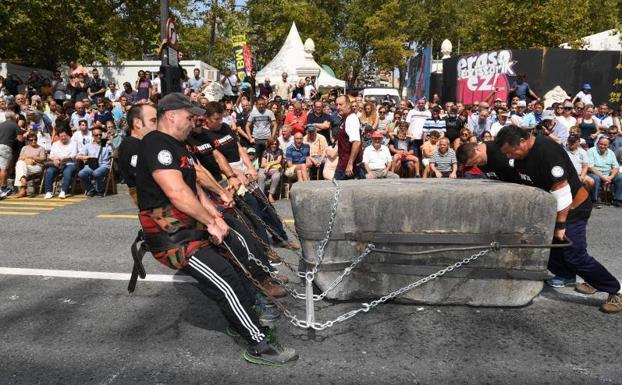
{"x":292,"y":56}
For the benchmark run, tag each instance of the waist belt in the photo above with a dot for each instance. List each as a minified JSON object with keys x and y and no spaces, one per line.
{"x":161,"y":241}
{"x":578,"y":200}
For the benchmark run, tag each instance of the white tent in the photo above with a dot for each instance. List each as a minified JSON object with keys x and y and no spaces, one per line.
{"x":609,"y":40}
{"x":294,"y":57}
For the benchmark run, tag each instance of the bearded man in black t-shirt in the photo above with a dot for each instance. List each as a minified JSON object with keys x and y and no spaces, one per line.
{"x":543,"y":163}
{"x":182,"y":226}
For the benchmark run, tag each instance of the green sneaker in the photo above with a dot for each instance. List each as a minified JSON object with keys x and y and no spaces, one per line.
{"x":270,"y":354}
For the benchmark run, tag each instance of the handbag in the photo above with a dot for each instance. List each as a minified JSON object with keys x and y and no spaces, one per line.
{"x":93,"y":163}
{"x":234,"y":89}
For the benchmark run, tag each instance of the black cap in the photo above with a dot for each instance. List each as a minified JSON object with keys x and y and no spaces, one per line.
{"x":177,"y":101}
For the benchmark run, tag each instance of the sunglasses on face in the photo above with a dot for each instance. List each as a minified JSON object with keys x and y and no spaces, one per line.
{"x":97,"y":135}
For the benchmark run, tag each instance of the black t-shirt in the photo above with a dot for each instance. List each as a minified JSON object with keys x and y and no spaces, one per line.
{"x":224,"y":141}
{"x":453,"y":125}
{"x":546,"y":164}
{"x":498,"y":165}
{"x":241,"y":119}
{"x":96,"y":85}
{"x":204,"y":151}
{"x":314,"y":119}
{"x":9,"y":130}
{"x":160,"y":151}
{"x":128,"y":157}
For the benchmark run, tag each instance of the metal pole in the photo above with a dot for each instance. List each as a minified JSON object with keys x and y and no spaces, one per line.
{"x":163,"y":18}
{"x":309,"y":301}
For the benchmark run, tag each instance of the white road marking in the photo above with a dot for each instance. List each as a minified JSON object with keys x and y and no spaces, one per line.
{"x":93,"y":275}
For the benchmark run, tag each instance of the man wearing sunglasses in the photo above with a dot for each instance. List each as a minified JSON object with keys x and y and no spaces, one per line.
{"x":97,"y":156}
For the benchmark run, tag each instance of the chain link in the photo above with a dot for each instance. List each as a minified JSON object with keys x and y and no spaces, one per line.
{"x":368,"y":306}
{"x":321,"y":247}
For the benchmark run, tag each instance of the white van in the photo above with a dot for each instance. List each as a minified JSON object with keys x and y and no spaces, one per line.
{"x":380,"y":93}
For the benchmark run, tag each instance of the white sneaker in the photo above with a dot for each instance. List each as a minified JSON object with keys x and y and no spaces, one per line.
{"x":48,"y":195}
{"x":62,"y":194}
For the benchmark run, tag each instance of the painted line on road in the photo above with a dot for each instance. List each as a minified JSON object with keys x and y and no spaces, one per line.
{"x":25,"y":208}
{"x":53,"y":200}
{"x":26,"y":203}
{"x":17,"y":213}
{"x":117,"y":216}
{"x":93,"y":275}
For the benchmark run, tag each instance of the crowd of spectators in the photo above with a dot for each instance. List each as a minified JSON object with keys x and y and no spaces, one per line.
{"x":73,"y":124}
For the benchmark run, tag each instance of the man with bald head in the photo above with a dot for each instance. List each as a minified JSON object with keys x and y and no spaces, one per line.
{"x":348,"y":141}
{"x":78,"y":115}
{"x":297,"y":119}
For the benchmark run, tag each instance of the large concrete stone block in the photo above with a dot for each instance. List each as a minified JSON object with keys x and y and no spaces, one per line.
{"x":422,"y":214}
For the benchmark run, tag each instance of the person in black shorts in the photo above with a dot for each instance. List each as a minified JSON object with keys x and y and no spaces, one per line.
{"x":182,"y":226}
{"x":488,"y":158}
{"x":543,"y":163}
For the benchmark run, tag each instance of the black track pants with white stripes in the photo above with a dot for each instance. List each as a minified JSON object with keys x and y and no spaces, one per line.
{"x":225,"y":285}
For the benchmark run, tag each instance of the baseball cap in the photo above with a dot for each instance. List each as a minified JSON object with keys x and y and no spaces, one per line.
{"x":521,"y":103}
{"x":377,"y":135}
{"x":572,"y":138}
{"x":177,"y":101}
{"x":498,"y":100}
{"x":548,"y":115}
{"x":311,"y":128}
{"x":250,"y":150}
{"x":568,"y":105}
{"x":587,"y":86}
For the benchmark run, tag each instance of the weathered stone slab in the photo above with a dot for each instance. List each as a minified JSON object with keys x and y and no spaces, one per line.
{"x":420,"y":214}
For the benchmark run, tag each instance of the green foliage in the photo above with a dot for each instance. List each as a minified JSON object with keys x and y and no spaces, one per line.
{"x":352,"y":36}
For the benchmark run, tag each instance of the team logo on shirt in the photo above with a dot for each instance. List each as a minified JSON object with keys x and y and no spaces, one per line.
{"x":165,"y":157}
{"x":186,"y":162}
{"x":133,"y":160}
{"x":222,"y":141}
{"x":557,"y":171}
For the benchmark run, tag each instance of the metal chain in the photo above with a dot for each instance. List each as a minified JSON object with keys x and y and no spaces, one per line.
{"x":321,"y":247}
{"x":318,"y":297}
{"x":368,"y":306}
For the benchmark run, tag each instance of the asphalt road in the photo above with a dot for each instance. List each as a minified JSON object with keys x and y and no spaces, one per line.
{"x":58,"y":330}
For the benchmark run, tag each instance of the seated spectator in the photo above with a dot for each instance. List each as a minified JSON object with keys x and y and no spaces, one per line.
{"x":435,"y":123}
{"x":270,"y":168}
{"x":83,"y":136}
{"x":31,"y":159}
{"x":502,"y":121}
{"x":615,"y":140}
{"x":377,"y":159}
{"x":579,"y":159}
{"x":604,"y":169}
{"x":296,"y":119}
{"x":62,"y":159}
{"x":298,"y":159}
{"x":427,"y":150}
{"x":96,"y":157}
{"x":102,"y":115}
{"x":443,"y":163}
{"x":114,"y":135}
{"x":465,"y":137}
{"x":403,"y":150}
{"x":285,"y":139}
{"x":252,"y":155}
{"x":487,"y":137}
{"x":318,"y":145}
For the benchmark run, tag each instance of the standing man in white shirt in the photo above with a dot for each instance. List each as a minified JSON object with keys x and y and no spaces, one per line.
{"x":416,"y":119}
{"x":283,"y":88}
{"x":348,"y":141}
